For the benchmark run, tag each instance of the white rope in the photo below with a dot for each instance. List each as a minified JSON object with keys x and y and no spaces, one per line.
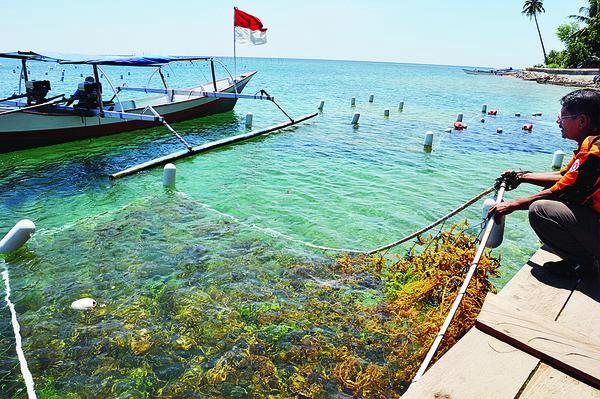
{"x":18,"y":341}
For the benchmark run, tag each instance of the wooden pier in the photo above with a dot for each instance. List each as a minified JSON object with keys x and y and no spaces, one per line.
{"x":538,"y":338}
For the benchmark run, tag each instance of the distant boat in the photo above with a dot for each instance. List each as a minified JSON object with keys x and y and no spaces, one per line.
{"x":498,"y":72}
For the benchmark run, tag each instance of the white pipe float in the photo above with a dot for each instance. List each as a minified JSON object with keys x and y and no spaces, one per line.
{"x":169,"y":174}
{"x":557,"y":159}
{"x":353,"y":101}
{"x":371,"y":98}
{"x":497,"y":234}
{"x":484,"y":109}
{"x":428,"y":142}
{"x":459,"y":117}
{"x":499,"y":130}
{"x":84,"y":304}
{"x":17,"y":236}
{"x":321,"y":105}
{"x":401,"y":106}
{"x":536,"y":114}
{"x":448,"y":130}
{"x":386,"y":112}
{"x":249,"y":118}
{"x":518,"y":114}
{"x":355,"y":118}
{"x":482,"y":120}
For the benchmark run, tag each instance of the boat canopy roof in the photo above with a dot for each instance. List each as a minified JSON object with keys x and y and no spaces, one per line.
{"x":115,"y":60}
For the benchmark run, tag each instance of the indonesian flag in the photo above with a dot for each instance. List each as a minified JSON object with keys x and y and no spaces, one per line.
{"x":248,"y":28}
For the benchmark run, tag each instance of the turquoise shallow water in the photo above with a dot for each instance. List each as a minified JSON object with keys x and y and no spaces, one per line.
{"x":247,"y":208}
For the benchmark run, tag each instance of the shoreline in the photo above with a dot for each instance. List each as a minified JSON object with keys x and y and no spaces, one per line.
{"x":582,"y":81}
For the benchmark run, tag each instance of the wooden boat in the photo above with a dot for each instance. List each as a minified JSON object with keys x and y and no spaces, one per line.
{"x":31,"y":120}
{"x":493,"y":72}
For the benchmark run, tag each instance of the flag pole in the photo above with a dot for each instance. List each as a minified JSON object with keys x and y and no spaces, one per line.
{"x":234,"y":55}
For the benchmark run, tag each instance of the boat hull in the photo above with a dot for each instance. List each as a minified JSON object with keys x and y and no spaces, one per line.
{"x":30,"y":129}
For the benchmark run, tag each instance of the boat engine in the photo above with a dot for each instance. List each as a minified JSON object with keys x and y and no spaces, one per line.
{"x":37,"y":90}
{"x":88,"y":94}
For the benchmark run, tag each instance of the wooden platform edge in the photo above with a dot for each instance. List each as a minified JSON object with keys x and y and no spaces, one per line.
{"x":545,"y":339}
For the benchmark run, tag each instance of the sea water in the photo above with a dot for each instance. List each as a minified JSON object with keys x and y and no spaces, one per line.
{"x":230,"y":235}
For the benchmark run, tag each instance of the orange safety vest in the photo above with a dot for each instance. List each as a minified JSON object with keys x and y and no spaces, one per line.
{"x":580,"y":183}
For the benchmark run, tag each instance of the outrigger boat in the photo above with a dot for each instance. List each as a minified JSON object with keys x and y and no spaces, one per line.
{"x":496,"y":72}
{"x":32,"y":119}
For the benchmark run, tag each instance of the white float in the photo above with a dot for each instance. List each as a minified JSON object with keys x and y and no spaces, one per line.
{"x":249,"y":118}
{"x":482,"y":120}
{"x":448,"y":130}
{"x":484,"y":109}
{"x":386,"y":112}
{"x":353,"y":101}
{"x":428,"y":142}
{"x":459,"y":117}
{"x":557,"y":159}
{"x":517,"y":114}
{"x":371,"y":98}
{"x":84,"y":304}
{"x":169,"y":174}
{"x":497,"y":234}
{"x":17,"y":236}
{"x":499,"y":130}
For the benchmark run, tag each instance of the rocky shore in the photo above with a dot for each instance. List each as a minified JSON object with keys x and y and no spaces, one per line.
{"x":573,"y":80}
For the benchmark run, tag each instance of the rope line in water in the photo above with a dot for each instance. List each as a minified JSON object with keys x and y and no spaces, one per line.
{"x":18,"y":340}
{"x":274,"y":233}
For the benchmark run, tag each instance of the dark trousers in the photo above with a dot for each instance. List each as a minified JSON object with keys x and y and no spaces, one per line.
{"x":571,"y":231}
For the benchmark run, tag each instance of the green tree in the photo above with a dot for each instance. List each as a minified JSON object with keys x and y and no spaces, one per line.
{"x":532,"y":8}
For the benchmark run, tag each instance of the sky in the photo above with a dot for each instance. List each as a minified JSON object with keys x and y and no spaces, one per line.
{"x":449,"y":32}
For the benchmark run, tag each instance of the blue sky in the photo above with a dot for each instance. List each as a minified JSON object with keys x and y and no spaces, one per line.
{"x":455,"y":32}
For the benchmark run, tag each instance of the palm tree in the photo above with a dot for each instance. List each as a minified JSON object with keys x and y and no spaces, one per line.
{"x":586,"y":14}
{"x":532,"y":8}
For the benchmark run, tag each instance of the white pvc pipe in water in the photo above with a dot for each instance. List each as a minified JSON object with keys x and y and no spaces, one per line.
{"x":17,"y":236}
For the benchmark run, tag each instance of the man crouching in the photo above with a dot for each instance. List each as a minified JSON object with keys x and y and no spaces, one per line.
{"x":565,"y":215}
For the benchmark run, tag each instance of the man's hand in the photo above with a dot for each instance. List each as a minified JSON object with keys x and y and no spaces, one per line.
{"x":503,"y":208}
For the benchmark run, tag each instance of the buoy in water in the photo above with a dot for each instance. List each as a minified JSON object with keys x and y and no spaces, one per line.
{"x":353,"y":101}
{"x":84,"y":304}
{"x":249,"y":118}
{"x":557,"y":159}
{"x":428,"y":142}
{"x":459,"y":117}
{"x":355,"y":119}
{"x":537,"y":114}
{"x":482,"y":120}
{"x":17,"y":236}
{"x":518,"y":114}
{"x":497,"y":233}
{"x":493,"y":112}
{"x":371,"y":98}
{"x":459,"y":125}
{"x":449,"y":130}
{"x":169,"y":174}
{"x":321,"y":105}
{"x":484,"y":109}
{"x":121,"y":77}
{"x":386,"y":112}
{"x":401,"y":106}
{"x":499,"y":130}
{"x":528,"y":127}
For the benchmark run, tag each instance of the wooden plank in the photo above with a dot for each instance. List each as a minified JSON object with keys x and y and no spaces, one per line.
{"x":582,"y":313}
{"x":481,"y":366}
{"x":546,"y":339}
{"x":478,"y":366}
{"x":550,"y":383}
{"x":206,"y":147}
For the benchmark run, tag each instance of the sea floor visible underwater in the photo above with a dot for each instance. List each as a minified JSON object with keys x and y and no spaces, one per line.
{"x":181,"y":274}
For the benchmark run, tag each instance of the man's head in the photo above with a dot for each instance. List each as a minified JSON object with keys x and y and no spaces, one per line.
{"x":580,"y":114}
{"x":89,"y":79}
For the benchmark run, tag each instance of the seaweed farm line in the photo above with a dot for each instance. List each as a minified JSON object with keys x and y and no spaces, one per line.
{"x":210,"y":290}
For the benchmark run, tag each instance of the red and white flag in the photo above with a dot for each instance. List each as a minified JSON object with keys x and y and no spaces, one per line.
{"x":248,"y":28}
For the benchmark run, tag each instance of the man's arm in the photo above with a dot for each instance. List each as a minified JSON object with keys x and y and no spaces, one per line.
{"x":542,"y":179}
{"x":520,"y":204}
